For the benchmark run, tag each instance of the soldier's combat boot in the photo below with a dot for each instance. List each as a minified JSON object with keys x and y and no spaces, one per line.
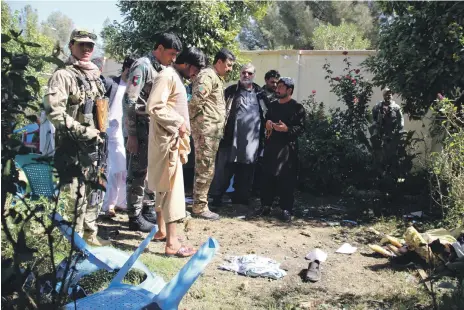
{"x":207,"y":215}
{"x":139,"y":223}
{"x":93,"y":240}
{"x":217,"y":201}
{"x":148,"y":212}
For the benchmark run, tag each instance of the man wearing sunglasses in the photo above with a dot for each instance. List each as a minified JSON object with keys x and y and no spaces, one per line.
{"x":141,"y":200}
{"x":69,"y":104}
{"x":243,"y":138}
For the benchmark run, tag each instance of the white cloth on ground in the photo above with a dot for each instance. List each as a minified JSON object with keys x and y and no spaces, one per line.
{"x":254,"y":266}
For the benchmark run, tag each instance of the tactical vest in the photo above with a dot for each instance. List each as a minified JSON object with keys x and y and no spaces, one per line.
{"x":81,"y":105}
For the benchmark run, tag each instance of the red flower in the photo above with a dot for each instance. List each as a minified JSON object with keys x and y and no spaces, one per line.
{"x":355,"y":100}
{"x":345,"y":53}
{"x":440,"y":96}
{"x":354,"y":82}
{"x":357,"y":71}
{"x":337,"y":79}
{"x":314,"y":92}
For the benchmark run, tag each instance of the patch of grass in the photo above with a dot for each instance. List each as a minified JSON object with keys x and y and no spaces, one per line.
{"x":166,"y":267}
{"x":453,"y":300}
{"x":100,"y":280}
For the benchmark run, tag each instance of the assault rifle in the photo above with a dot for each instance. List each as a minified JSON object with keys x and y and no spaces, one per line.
{"x":101,"y":108}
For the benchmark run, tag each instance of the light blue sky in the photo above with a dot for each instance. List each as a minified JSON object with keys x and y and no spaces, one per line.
{"x":85,"y":14}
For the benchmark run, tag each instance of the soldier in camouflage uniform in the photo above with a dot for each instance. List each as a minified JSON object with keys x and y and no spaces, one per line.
{"x":386,"y":129}
{"x":140,"y":200}
{"x":207,"y":110}
{"x":69,"y":104}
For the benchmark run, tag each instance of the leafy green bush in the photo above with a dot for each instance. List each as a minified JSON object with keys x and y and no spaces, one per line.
{"x":336,"y":154}
{"x":346,"y":36}
{"x":332,"y":154}
{"x":447,"y":166}
{"x":329,"y":157}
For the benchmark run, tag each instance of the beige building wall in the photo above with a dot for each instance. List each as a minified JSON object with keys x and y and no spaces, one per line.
{"x":306,"y":68}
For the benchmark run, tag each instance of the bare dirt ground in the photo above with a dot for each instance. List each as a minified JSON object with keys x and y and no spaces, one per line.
{"x":357,"y":281}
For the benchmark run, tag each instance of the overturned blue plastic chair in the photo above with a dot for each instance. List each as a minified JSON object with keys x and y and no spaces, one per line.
{"x":90,"y":259}
{"x":39,"y":175}
{"x":125,"y":296}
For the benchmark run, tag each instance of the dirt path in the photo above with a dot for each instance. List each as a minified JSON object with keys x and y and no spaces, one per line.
{"x":358,"y":279}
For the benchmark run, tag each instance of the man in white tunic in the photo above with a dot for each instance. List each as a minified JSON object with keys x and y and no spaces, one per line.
{"x":115,"y":196}
{"x":169,"y":146}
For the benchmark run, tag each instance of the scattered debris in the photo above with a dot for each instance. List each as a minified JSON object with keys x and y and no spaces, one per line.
{"x":306,"y":233}
{"x":394,"y":249}
{"x":317,"y":254}
{"x":424,"y":278}
{"x":447,"y":285}
{"x":380,"y":250}
{"x":438,"y":248}
{"x":346,"y":248}
{"x":349,"y":223}
{"x":394,"y":241}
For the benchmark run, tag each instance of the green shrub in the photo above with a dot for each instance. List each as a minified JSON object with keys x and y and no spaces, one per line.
{"x":336,"y":154}
{"x":447,"y":166}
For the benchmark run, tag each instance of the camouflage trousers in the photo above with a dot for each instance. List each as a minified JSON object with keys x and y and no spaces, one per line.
{"x":205,"y":157}
{"x":138,"y":194}
{"x":87,"y":214}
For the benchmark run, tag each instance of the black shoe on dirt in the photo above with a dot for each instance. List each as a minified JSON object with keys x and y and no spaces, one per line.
{"x":139,"y":223}
{"x":148,"y":212}
{"x":262,"y":211}
{"x":314,"y":272}
{"x":286,"y":216}
{"x":217,"y":202}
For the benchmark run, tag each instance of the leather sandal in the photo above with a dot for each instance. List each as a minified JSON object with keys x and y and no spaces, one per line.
{"x":183,"y":251}
{"x":111,"y":212}
{"x":163,"y":238}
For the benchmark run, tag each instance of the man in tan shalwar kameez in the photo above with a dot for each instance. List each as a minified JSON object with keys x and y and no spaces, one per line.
{"x":169,"y":146}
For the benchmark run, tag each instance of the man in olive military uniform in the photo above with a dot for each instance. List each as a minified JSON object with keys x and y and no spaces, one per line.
{"x":207,"y":110}
{"x":386,"y":129}
{"x":140,"y":200}
{"x":69,"y":102}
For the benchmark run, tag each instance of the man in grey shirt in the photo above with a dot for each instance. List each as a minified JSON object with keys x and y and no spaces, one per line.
{"x":242,"y":141}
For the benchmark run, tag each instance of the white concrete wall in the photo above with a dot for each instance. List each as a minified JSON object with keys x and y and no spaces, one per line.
{"x":111,"y":68}
{"x":305,"y":67}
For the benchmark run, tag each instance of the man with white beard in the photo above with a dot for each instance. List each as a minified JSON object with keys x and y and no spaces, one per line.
{"x":243,"y":138}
